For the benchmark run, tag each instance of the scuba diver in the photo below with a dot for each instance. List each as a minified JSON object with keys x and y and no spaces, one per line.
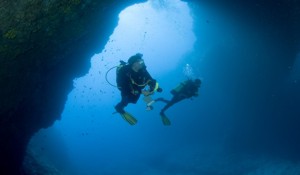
{"x":184,"y":90}
{"x":132,"y":78}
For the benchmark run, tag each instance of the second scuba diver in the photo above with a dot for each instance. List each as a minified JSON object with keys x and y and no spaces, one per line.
{"x":184,"y":90}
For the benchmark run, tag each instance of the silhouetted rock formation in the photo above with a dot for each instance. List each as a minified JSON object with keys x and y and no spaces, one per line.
{"x":44,"y":45}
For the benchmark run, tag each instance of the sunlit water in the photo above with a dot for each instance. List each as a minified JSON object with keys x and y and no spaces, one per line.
{"x":94,"y":140}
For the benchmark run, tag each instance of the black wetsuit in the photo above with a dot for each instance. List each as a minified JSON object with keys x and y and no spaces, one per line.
{"x":131,"y":83}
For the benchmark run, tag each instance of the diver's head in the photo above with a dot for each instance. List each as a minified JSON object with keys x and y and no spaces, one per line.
{"x":136,"y":62}
{"x":197,"y":82}
{"x":135,"y":58}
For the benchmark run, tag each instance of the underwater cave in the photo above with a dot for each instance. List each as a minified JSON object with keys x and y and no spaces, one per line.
{"x":58,"y":87}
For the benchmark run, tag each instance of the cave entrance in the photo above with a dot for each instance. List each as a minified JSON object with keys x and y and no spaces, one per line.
{"x":89,"y":139}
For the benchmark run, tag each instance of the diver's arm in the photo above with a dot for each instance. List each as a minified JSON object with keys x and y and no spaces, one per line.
{"x":152,"y":83}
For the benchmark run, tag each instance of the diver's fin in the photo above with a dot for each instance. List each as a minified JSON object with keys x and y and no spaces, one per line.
{"x":165,"y":119}
{"x":129,"y":118}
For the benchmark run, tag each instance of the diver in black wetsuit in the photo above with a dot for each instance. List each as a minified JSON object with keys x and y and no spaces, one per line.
{"x":132,"y":78}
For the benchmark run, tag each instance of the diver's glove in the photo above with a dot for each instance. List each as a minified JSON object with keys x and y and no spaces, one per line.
{"x":154,"y":86}
{"x":159,"y":89}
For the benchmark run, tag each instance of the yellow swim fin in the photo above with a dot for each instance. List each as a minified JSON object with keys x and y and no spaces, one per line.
{"x":165,"y":119}
{"x":129,"y":118}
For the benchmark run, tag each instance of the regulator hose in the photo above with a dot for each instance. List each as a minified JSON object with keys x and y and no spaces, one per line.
{"x":107,"y":78}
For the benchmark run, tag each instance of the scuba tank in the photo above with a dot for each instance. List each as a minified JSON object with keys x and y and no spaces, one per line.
{"x":178,"y":88}
{"x":181,"y":87}
{"x":118,"y":68}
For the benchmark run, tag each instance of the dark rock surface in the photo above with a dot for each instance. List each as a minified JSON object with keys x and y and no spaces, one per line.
{"x":44,"y":45}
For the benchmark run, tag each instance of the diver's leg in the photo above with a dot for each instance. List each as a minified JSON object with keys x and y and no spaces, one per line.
{"x":122,"y":104}
{"x":162,"y":99}
{"x":125,"y":115}
{"x":126,"y":99}
{"x":174,"y":100}
{"x":133,"y":98}
{"x":166,"y":107}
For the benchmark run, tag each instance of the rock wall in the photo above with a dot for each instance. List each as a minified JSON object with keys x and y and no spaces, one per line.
{"x":44,"y":45}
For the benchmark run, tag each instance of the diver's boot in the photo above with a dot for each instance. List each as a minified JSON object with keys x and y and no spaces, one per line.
{"x":119,"y":109}
{"x":125,"y":115}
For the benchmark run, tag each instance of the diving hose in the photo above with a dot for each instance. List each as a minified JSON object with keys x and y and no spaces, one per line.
{"x":107,"y":78}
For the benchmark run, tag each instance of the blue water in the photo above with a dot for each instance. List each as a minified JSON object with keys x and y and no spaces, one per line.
{"x":218,"y":133}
